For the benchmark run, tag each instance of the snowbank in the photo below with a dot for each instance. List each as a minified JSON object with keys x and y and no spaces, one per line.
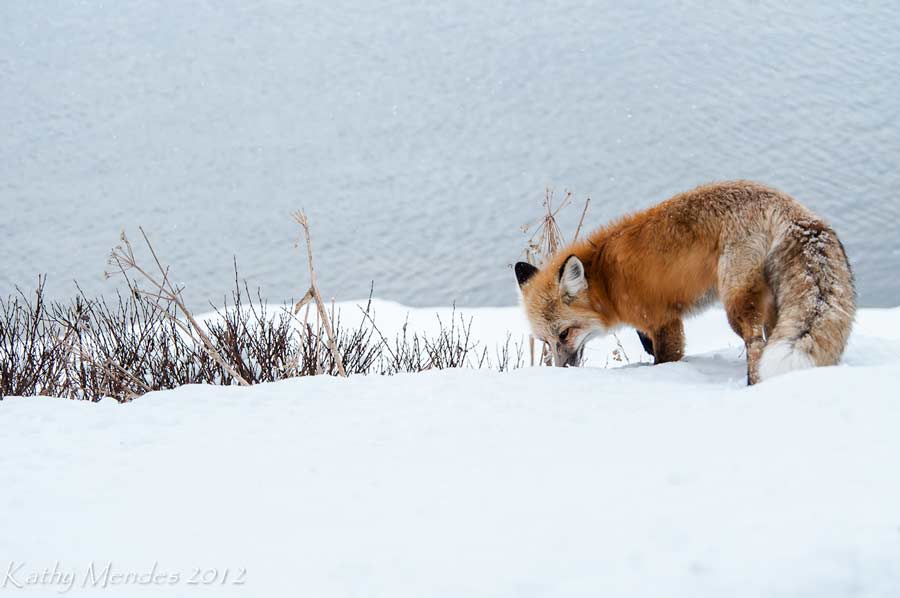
{"x":674,"y":480}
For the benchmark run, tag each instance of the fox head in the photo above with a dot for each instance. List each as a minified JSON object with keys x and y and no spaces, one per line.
{"x":558,"y":303}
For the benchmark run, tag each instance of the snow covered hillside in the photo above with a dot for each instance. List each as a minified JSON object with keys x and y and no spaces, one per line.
{"x":674,"y":480}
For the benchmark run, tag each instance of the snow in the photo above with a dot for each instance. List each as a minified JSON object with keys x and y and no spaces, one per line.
{"x":672,"y":480}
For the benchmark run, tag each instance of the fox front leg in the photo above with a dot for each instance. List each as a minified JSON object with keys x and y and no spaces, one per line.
{"x":646,"y":342}
{"x":668,"y":342}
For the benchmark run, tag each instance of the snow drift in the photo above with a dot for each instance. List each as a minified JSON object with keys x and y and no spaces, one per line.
{"x":673,"y":480}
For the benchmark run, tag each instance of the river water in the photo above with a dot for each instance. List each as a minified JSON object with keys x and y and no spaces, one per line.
{"x":420,"y":136}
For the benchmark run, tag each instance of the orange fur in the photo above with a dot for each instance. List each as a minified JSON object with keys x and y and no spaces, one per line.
{"x":779,"y":270}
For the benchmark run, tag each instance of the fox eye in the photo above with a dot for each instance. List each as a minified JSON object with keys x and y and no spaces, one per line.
{"x":564,"y":334}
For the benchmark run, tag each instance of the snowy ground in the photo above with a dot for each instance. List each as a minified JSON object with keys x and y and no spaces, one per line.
{"x":630,"y":481}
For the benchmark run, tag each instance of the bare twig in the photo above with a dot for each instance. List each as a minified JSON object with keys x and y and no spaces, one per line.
{"x":122,"y":257}
{"x":110,"y":368}
{"x":546,"y":357}
{"x":619,"y":353}
{"x":384,"y":342}
{"x":313,"y":293}
{"x":587,"y":202}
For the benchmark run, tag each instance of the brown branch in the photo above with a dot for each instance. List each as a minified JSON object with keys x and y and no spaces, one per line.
{"x":587,"y":202}
{"x":384,"y":342}
{"x":313,"y":292}
{"x":113,"y":370}
{"x":123,"y":258}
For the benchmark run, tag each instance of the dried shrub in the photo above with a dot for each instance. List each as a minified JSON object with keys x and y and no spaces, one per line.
{"x":88,"y":349}
{"x":31,"y":361}
{"x":147,"y":340}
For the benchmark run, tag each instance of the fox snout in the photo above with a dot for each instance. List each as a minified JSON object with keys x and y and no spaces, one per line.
{"x":566,"y":357}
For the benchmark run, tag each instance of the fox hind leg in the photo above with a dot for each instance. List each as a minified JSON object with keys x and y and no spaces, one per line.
{"x":750,"y":307}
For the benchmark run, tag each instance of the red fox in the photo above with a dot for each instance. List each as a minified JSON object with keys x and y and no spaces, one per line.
{"x":780,"y":271}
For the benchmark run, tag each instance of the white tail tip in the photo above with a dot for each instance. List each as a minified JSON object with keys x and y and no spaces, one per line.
{"x":782,"y":357}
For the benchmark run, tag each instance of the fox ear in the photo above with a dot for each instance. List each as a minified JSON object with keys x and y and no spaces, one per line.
{"x":524,"y":272}
{"x":571,"y":276}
